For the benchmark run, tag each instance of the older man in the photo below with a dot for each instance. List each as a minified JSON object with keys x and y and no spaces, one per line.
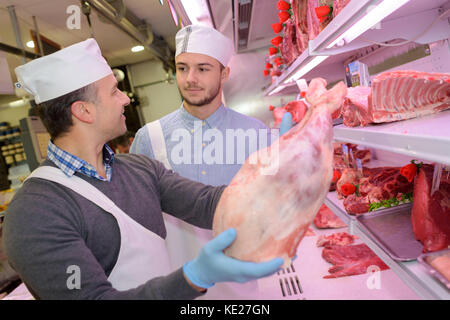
{"x":87,"y":224}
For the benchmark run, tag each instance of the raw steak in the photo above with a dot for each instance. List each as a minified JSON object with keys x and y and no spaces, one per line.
{"x":271,"y":202}
{"x":300,"y":10}
{"x":400,"y":95}
{"x":336,"y":239}
{"x":338,"y":5}
{"x":288,"y":47}
{"x":325,"y":218}
{"x":430,"y":215}
{"x":350,"y":260}
{"x":355,"y":109}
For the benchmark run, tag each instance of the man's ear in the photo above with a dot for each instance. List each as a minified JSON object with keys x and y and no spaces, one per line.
{"x":225,"y":74}
{"x":83,"y":111}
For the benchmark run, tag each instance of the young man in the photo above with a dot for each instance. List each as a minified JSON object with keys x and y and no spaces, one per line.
{"x":87,"y":224}
{"x":203,"y":140}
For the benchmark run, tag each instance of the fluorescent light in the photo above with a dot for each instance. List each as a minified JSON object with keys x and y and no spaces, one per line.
{"x":277,"y":89}
{"x":314,"y":62}
{"x":197,"y":11}
{"x":137,"y":48}
{"x":30,"y":44}
{"x":162,"y":2}
{"x":173,"y":13}
{"x":374,"y":16}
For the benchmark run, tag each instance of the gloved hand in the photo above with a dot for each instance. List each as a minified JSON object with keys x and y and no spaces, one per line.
{"x":286,"y":123}
{"x":212,"y":265}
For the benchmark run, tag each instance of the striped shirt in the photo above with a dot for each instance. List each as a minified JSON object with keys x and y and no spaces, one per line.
{"x":69,"y":163}
{"x":197,"y":167}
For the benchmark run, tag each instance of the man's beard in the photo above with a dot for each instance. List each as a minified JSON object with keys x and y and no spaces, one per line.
{"x":206,"y":100}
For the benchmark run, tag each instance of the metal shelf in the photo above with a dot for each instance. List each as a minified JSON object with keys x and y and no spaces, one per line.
{"x":426,"y":138}
{"x":410,"y":272}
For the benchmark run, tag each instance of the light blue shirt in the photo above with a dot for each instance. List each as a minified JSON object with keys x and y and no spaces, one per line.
{"x":205,"y":163}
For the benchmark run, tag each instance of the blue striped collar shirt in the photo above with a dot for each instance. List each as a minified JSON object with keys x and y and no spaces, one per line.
{"x":69,"y":163}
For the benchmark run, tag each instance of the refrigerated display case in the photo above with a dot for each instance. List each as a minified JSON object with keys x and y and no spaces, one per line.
{"x":353,"y":33}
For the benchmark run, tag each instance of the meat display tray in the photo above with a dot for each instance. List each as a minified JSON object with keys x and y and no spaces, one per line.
{"x":391,"y":229}
{"x":423,"y":260}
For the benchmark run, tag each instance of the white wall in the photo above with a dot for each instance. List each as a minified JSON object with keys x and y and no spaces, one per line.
{"x":157,"y":100}
{"x":13,"y":115}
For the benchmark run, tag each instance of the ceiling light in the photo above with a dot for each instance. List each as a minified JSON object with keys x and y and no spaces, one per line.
{"x":374,"y":16}
{"x":137,"y":48}
{"x":197,"y":11}
{"x":30,"y":44}
{"x":314,"y":62}
{"x":162,"y":2}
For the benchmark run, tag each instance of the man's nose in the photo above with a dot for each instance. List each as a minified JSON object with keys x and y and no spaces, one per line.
{"x":126,"y":99}
{"x":191,"y":76}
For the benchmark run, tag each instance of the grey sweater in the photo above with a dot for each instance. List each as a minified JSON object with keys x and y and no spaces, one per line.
{"x":48,"y":227}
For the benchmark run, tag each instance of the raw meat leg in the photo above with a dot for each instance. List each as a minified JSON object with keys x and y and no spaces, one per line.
{"x":274,"y":197}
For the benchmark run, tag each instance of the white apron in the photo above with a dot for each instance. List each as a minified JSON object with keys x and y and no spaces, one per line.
{"x":142,"y":255}
{"x":184,"y":240}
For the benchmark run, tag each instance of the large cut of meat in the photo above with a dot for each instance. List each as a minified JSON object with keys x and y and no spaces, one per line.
{"x":400,"y":95}
{"x":377,"y":184}
{"x":338,"y":5}
{"x":336,"y":239}
{"x":355,"y":110}
{"x":350,"y":260}
{"x":274,"y":197}
{"x":430,"y":215}
{"x":325,"y":218}
{"x":300,"y":10}
{"x":288,"y":47}
{"x":312,"y":20}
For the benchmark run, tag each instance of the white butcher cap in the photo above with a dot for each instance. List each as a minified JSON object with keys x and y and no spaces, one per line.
{"x":205,"y":40}
{"x":64,"y":71}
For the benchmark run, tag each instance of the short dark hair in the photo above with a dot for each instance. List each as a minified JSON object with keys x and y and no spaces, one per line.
{"x":123,"y":140}
{"x":56,"y":114}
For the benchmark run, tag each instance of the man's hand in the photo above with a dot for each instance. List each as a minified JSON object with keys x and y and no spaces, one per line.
{"x":212,"y":265}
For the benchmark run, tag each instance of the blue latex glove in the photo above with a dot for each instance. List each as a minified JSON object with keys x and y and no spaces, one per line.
{"x":286,"y":123}
{"x":212,"y":265}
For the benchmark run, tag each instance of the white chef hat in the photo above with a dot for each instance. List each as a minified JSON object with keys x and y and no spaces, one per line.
{"x":64,"y":71}
{"x":205,"y":40}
